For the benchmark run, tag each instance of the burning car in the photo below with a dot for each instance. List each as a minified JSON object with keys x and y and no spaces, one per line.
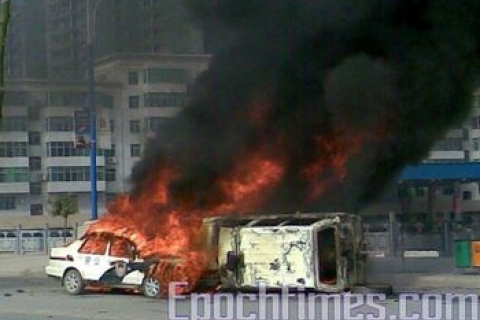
{"x":323,"y":252}
{"x":101,"y":259}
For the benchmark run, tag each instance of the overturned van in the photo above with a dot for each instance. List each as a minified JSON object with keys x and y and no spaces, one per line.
{"x":318,"y":251}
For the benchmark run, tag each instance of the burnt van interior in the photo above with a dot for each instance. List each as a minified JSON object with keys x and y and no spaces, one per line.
{"x":327,"y":256}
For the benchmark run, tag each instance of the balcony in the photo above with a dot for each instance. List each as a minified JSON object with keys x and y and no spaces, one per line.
{"x":164,"y":87}
{"x":14,"y":162}
{"x":17,"y":136}
{"x":164,"y":112}
{"x":14,"y":187}
{"x":59,"y":136}
{"x":73,"y":186}
{"x":475,"y":133}
{"x":455,"y":133}
{"x":447,"y":155}
{"x":72,"y":161}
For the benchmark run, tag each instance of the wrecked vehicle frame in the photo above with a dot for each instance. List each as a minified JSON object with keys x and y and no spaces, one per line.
{"x":314,"y":251}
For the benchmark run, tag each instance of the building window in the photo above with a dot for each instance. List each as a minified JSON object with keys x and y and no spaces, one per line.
{"x":35,"y":163}
{"x":420,"y":192}
{"x":161,"y":75}
{"x":110,"y":174}
{"x":133,"y":78}
{"x":71,"y":174}
{"x":467,"y":195}
{"x":134,"y":102}
{"x":14,"y":175}
{"x":160,"y":99}
{"x":13,"y":124}
{"x":36,"y":210}
{"x":59,"y":124}
{"x":13,"y":149}
{"x":453,"y":144}
{"x":65,"y":99}
{"x":448,"y":191}
{"x":135,"y":150}
{"x":65,"y":149}
{"x":476,"y":102}
{"x":35,"y":188}
{"x":155,"y":123}
{"x":34,"y":138}
{"x":110,"y":152}
{"x":112,"y":125}
{"x":134,"y":126}
{"x":7,"y":202}
{"x":105,"y":100}
{"x":475,"y":122}
{"x":476,"y":144}
{"x":33,"y":113}
{"x":16,"y":98}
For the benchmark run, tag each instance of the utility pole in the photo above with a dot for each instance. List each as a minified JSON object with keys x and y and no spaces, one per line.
{"x":90,"y":13}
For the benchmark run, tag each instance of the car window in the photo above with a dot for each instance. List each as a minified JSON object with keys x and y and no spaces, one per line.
{"x":121,"y":248}
{"x":95,"y":244}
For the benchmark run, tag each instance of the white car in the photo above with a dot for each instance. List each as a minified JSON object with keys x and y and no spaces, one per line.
{"x":100,"y":260}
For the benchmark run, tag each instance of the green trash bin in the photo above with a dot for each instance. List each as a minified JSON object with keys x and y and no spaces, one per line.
{"x":463,"y":253}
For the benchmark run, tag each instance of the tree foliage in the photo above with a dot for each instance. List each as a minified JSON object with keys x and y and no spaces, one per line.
{"x":64,"y":206}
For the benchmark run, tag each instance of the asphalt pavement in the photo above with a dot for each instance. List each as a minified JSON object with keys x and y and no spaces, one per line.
{"x":27,"y":265}
{"x":31,"y":266}
{"x":27,"y":294}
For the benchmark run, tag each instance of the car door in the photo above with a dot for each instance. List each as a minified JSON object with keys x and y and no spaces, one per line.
{"x":92,"y":257}
{"x":121,"y":254}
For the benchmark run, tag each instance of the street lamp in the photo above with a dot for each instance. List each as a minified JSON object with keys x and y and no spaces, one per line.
{"x":91,"y":13}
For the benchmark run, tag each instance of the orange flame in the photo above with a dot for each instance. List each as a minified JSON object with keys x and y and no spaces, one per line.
{"x":330,"y":166}
{"x":155,"y":229}
{"x":159,"y":228}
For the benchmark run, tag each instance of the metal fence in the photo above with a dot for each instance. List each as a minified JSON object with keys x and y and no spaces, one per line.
{"x":381,"y":240}
{"x":377,"y":243}
{"x":397,"y":238}
{"x":22,"y":241}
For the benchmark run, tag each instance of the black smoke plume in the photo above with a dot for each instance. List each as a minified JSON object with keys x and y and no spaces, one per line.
{"x":402,"y":70}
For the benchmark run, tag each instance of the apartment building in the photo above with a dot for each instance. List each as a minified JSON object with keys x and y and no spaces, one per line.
{"x":135,"y":95}
{"x":155,"y":87}
{"x":25,"y":54}
{"x":47,"y":38}
{"x":146,"y":26}
{"x":460,"y":145}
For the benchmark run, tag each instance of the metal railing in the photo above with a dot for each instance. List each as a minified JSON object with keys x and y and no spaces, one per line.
{"x":21,"y":241}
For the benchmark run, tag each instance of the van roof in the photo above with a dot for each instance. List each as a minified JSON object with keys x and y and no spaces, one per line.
{"x":297,"y":218}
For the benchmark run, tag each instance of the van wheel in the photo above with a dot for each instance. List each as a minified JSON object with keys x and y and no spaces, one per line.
{"x":151,"y":287}
{"x":73,"y":282}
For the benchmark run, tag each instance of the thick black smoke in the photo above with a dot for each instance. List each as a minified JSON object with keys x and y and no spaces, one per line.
{"x":402,"y":70}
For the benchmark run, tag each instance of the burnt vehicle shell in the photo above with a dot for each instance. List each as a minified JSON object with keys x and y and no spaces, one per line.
{"x":316,"y":251}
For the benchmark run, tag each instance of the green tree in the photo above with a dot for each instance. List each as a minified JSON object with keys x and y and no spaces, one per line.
{"x":64,"y":206}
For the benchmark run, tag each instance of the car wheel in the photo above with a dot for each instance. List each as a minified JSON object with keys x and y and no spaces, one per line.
{"x":151,"y":287}
{"x":73,"y":282}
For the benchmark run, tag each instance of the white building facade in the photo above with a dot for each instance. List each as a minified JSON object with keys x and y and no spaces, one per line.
{"x":39,"y":156}
{"x":461,"y":144}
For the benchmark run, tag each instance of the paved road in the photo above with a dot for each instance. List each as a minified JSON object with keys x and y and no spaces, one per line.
{"x":40,"y":298}
{"x":28,"y":265}
{"x":26,"y":294}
